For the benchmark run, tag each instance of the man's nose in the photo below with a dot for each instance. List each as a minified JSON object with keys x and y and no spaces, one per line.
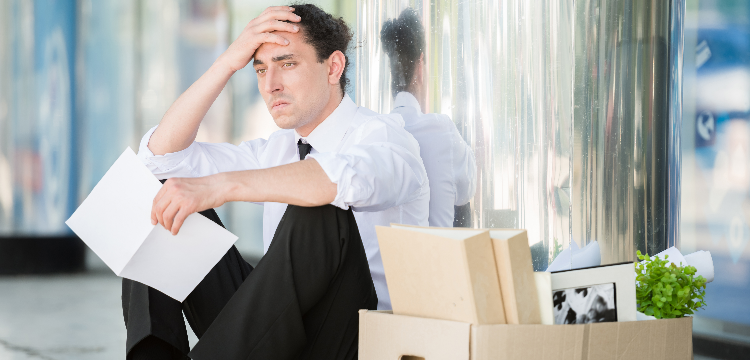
{"x":273,"y":81}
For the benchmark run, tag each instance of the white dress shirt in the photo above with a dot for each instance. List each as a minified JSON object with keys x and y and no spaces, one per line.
{"x":372,"y":159}
{"x":451,"y":167}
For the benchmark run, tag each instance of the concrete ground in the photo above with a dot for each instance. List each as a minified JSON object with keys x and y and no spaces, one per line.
{"x":63,"y":317}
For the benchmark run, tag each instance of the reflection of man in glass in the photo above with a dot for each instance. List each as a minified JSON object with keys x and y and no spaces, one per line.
{"x":449,"y":161}
{"x":332,"y":157}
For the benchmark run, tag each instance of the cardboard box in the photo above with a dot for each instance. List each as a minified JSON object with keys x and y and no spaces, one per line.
{"x":384,"y":336}
{"x":441,"y":274}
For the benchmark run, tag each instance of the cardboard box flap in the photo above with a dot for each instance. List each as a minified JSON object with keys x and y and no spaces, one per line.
{"x":516,"y":274}
{"x":441,"y":274}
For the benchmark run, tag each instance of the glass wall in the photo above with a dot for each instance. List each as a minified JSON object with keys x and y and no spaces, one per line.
{"x":82,"y":80}
{"x":37,"y":97}
{"x":566,"y":105}
{"x":716,"y":158}
{"x":622,"y":150}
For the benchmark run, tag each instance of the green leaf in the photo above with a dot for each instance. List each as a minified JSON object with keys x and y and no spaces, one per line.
{"x":667,"y":290}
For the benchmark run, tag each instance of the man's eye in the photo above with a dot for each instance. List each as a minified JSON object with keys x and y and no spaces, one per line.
{"x":260,"y":71}
{"x":288,"y":65}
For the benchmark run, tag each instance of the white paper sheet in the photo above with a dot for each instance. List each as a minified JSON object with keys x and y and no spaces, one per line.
{"x":704,"y":264}
{"x":701,"y":260}
{"x":589,"y":256}
{"x":115,"y":222}
{"x":675,"y":256}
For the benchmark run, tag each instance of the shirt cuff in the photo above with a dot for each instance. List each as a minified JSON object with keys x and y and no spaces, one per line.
{"x":161,"y":163}
{"x":340,"y":173}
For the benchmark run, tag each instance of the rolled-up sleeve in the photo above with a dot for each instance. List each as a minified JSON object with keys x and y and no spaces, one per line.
{"x":201,"y":159}
{"x":379,"y":170}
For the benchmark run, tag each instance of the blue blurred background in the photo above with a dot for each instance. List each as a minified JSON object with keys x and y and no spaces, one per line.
{"x":716,"y":159}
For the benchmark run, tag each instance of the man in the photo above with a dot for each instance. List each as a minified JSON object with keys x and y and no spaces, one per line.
{"x":302,"y":299}
{"x":449,"y":161}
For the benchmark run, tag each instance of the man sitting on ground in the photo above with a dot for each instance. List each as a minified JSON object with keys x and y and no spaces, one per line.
{"x":301,"y":300}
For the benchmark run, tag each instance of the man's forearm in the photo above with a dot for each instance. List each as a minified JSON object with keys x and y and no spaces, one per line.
{"x":302,"y":183}
{"x":179,"y":126}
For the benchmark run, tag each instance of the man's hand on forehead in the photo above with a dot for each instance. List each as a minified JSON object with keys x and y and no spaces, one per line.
{"x":258,"y":31}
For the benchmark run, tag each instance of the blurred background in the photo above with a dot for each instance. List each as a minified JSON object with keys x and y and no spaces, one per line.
{"x":558,"y":149}
{"x":715,"y":149}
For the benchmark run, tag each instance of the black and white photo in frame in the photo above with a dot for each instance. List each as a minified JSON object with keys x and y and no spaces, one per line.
{"x":596,"y":294}
{"x":585,"y":305}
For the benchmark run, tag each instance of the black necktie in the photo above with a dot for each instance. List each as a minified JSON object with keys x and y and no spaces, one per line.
{"x":304,"y":149}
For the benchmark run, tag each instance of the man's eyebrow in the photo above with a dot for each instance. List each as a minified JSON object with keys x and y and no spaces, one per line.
{"x":283,"y":57}
{"x":275,"y":59}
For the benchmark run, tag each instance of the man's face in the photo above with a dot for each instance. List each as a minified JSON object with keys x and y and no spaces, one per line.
{"x":293,"y":83}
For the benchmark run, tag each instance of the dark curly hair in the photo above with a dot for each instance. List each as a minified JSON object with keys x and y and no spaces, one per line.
{"x":325,"y":33}
{"x":403,"y":42}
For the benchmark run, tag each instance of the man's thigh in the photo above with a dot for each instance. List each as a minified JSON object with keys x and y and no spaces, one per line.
{"x":302,"y":300}
{"x":211,"y":295}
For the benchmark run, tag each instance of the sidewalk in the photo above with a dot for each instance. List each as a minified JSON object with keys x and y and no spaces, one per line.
{"x":63,"y":317}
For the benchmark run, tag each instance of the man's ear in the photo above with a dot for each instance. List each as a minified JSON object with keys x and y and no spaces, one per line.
{"x":336,"y":63}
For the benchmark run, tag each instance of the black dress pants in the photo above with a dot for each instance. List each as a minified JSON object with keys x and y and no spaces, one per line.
{"x":300,"y":302}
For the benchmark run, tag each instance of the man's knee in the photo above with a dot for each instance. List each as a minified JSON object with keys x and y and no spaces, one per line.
{"x":321,"y":222}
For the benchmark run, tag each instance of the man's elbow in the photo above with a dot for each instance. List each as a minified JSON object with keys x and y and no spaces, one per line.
{"x":322,"y":193}
{"x":327,"y":195}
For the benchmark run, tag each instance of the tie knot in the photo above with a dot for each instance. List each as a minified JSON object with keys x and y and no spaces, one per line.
{"x":304,"y":149}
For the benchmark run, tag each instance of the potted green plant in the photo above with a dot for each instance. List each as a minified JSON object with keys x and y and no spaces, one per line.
{"x":665,"y":290}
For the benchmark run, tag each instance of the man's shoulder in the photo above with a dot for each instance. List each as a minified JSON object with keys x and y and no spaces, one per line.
{"x":370,"y":126}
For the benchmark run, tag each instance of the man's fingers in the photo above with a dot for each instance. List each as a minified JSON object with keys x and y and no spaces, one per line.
{"x":275,"y":25}
{"x":169,"y":214}
{"x":276,"y":15}
{"x":273,"y":38}
{"x":159,"y":209}
{"x":178,"y":220}
{"x":157,"y":198}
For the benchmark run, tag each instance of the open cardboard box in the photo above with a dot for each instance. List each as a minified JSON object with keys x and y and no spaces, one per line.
{"x":384,"y":336}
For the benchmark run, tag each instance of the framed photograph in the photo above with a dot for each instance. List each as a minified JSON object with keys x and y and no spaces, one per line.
{"x":596,"y":294}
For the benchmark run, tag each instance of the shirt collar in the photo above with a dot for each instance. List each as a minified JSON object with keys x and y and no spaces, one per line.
{"x":406,"y":99}
{"x":327,"y":135}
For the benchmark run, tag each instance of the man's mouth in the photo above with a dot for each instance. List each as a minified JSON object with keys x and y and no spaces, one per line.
{"x":278,"y":105}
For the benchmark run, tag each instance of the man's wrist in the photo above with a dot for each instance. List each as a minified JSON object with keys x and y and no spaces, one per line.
{"x":230,"y":186}
{"x":224,"y":187}
{"x":222,"y":67}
